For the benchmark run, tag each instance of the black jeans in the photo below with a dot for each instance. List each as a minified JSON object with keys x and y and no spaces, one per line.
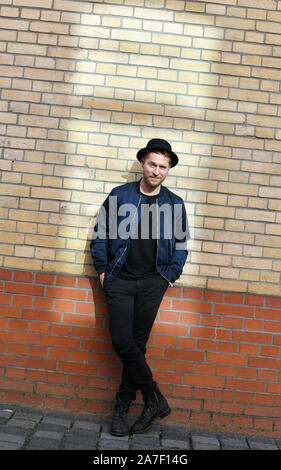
{"x":132,"y":307}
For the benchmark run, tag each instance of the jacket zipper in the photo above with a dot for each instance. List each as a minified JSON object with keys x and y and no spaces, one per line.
{"x":125,"y":249}
{"x":157,"y":246}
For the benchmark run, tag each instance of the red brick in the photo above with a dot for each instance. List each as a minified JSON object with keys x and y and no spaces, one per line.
{"x":184,"y":367}
{"x":273,"y":302}
{"x":213,"y":296}
{"x":15,"y":373}
{"x":249,"y":349}
{"x":43,"y":303}
{"x":200,"y":417}
{"x":42,"y":278}
{"x":173,"y":292}
{"x":21,"y":385}
{"x":54,"y":377}
{"x":58,"y":353}
{"x":225,"y":371}
{"x":85,"y":308}
{"x":244,"y":397}
{"x":234,"y":310}
{"x":83,"y":380}
{"x":9,"y":312}
{"x":59,"y":341}
{"x":189,"y":293}
{"x":248,"y":385}
{"x":36,"y":363}
{"x":266,"y":363}
{"x":46,"y":315}
{"x":18,"y":325}
{"x":80,"y":355}
{"x":14,"y":348}
{"x":39,"y":327}
{"x":65,"y":305}
{"x":168,"y":377}
{"x":184,"y":354}
{"x":270,"y":351}
{"x":251,"y":299}
{"x":13,"y":397}
{"x":38,"y":351}
{"x":268,"y":313}
{"x":23,"y":276}
{"x":246,"y":373}
{"x":67,"y":281}
{"x":86,"y":283}
{"x":165,"y":340}
{"x":6,"y":274}
{"x":57,"y":390}
{"x":253,"y":325}
{"x":62,"y":330}
{"x":233,"y":298}
{"x":203,"y":381}
{"x":169,"y":316}
{"x":189,"y":343}
{"x":22,"y":300}
{"x":5,"y":299}
{"x":33,"y":400}
{"x":75,"y":319}
{"x":191,"y":318}
{"x":25,"y":289}
{"x":169,"y":329}
{"x":264,"y":423}
{"x":205,"y":369}
{"x":273,"y":326}
{"x":227,"y":359}
{"x":78,"y":368}
{"x":251,"y":337}
{"x":54,"y":402}
{"x":66,"y":293}
{"x":190,"y":306}
{"x":226,"y":346}
{"x":207,"y":345}
{"x":265,"y":399}
{"x":19,"y":337}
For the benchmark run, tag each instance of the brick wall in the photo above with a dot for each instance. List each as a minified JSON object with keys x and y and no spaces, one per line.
{"x":215,"y":355}
{"x":83,"y":86}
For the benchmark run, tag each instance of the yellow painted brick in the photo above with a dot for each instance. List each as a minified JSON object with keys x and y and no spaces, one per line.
{"x":18,"y":263}
{"x":264,"y":288}
{"x":67,"y":256}
{"x":60,"y":267}
{"x":212,"y":211}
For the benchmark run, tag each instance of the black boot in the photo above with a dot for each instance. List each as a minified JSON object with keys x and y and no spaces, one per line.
{"x":156,"y":406}
{"x":119,"y":424}
{"x":164,"y":408}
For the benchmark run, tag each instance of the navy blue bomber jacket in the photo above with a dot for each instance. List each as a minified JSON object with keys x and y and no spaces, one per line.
{"x":118,"y":219}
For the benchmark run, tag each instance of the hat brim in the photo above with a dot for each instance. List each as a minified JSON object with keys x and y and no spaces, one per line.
{"x":144,"y":151}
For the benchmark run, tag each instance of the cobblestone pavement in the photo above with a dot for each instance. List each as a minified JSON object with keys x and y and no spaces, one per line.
{"x":24,"y":428}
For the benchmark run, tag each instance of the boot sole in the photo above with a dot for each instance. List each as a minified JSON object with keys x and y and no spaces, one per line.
{"x":119,"y":434}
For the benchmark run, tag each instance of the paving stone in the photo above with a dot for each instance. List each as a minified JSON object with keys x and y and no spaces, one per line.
{"x":204,"y":441}
{"x":11,"y":438}
{"x":234,"y":444}
{"x":171,"y":444}
{"x":6,"y":414}
{"x":43,"y":444}
{"x":262,"y":443}
{"x":113,"y":444}
{"x":42,"y":434}
{"x":21,"y":423}
{"x":63,"y":422}
{"x":86,"y":425}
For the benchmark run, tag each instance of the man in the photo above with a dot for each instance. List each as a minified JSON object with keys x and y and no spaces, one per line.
{"x":136,"y":257}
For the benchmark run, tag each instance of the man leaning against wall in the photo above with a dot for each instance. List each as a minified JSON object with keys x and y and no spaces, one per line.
{"x":139,"y":248}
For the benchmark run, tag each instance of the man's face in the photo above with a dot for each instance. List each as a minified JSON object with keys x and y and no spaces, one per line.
{"x":155,"y":168}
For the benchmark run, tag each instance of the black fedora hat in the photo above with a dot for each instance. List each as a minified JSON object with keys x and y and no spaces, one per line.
{"x":158,"y":144}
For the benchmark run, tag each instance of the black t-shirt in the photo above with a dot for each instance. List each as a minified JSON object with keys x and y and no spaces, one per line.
{"x":141,"y":259}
